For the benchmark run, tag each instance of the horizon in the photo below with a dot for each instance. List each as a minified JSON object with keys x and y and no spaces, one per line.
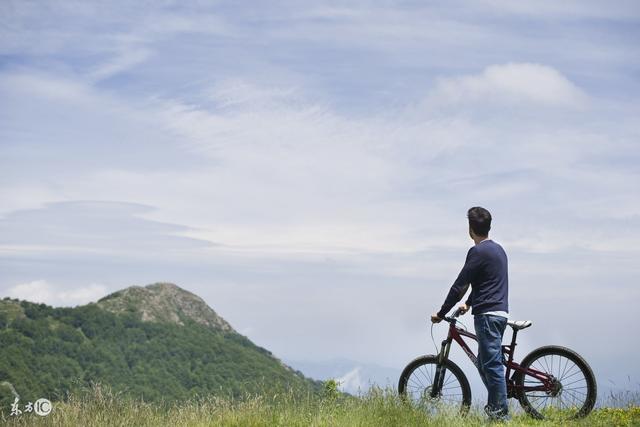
{"x":306,"y":168}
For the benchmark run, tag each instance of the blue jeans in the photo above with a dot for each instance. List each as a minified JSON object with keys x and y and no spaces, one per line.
{"x":489,"y":330}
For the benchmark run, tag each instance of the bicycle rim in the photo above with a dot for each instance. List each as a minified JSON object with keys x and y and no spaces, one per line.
{"x":573,"y":392}
{"x":417,"y":382}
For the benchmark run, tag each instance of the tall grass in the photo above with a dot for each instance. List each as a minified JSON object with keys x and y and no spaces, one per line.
{"x":101,"y":407}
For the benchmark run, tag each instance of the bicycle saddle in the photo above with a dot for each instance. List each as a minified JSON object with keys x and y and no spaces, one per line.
{"x":519,"y":324}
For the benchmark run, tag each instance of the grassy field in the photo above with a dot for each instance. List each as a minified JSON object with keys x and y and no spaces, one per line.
{"x":377,"y":408}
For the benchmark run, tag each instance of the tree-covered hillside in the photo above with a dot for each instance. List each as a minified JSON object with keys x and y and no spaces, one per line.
{"x":47,"y":351}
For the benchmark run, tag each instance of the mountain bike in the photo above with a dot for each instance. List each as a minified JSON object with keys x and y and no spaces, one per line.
{"x":551,"y":382}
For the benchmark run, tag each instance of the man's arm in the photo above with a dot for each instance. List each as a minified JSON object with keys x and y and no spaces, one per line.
{"x":460,"y":286}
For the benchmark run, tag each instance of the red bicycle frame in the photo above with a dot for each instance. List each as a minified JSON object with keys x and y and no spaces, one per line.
{"x":513,"y":389}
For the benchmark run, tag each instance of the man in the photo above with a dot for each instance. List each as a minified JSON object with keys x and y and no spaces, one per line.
{"x":485,"y":269}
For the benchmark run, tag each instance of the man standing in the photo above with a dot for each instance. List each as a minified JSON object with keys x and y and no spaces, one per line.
{"x":485,"y":269}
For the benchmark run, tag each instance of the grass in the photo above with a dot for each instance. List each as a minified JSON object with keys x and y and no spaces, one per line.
{"x":98,"y":407}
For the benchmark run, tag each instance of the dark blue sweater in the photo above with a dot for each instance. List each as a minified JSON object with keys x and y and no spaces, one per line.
{"x":486,"y":271}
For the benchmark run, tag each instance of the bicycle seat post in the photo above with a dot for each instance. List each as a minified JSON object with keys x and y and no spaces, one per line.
{"x":512,"y":346}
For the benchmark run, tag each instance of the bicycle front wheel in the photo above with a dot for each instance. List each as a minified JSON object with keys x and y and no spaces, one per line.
{"x":571,"y":392}
{"x":417,"y":383}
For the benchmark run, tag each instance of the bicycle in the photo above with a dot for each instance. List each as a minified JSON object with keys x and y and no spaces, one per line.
{"x":550,"y":382}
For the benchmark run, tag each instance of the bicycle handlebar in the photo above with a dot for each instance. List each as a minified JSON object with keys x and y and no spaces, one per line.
{"x":454,"y":316}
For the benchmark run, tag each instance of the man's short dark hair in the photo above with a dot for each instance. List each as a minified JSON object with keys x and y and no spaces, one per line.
{"x":479,"y":220}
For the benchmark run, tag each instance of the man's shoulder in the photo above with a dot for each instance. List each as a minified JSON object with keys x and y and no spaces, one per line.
{"x":488,"y":246}
{"x":494,"y":243}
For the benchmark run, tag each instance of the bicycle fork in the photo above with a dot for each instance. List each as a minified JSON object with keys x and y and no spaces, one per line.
{"x":441,"y":370}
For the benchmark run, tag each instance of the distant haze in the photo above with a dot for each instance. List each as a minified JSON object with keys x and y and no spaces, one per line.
{"x":306,"y":167}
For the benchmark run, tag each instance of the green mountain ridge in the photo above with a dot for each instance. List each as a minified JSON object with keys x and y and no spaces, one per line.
{"x":158,"y":343}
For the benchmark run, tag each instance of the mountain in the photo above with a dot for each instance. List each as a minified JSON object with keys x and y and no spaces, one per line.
{"x":164,"y":302}
{"x":158,"y":342}
{"x":353,"y":377}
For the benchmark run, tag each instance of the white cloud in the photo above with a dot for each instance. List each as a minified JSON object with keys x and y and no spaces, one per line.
{"x":514,"y":83}
{"x":41,"y":291}
{"x":352,"y":381}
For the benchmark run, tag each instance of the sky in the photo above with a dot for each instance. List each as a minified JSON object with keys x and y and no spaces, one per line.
{"x":306,"y":167}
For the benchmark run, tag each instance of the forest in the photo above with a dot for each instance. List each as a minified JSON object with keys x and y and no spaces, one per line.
{"x":52,"y":352}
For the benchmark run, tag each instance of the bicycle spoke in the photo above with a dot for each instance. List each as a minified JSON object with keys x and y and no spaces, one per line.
{"x":417,"y":385}
{"x":576,"y":389}
{"x":571,"y":370}
{"x":573,"y":395}
{"x":574,"y":382}
{"x":427,"y":374}
{"x":418,"y":380}
{"x":429,"y":378}
{"x":562,"y":402}
{"x":574,"y":374}
{"x":541,"y":367}
{"x":541,"y":401}
{"x":451,"y":378}
{"x":579,"y":395}
{"x":566,"y":363}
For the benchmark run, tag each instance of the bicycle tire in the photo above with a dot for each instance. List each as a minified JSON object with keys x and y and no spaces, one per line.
{"x":417,"y":378}
{"x":583,"y":392}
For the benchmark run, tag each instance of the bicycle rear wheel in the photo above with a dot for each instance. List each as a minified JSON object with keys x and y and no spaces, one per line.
{"x":573,"y":391}
{"x":417,"y":382}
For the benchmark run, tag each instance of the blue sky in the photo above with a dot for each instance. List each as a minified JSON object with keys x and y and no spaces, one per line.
{"x":306,"y":167}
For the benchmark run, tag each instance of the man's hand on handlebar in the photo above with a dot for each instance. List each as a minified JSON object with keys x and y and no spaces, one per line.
{"x":459,"y":312}
{"x":463,"y":309}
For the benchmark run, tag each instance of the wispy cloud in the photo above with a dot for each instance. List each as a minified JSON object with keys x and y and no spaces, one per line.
{"x":328,"y":181}
{"x":124,"y":61}
{"x":41,"y":291}
{"x":92,"y":227}
{"x":568,"y":10}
